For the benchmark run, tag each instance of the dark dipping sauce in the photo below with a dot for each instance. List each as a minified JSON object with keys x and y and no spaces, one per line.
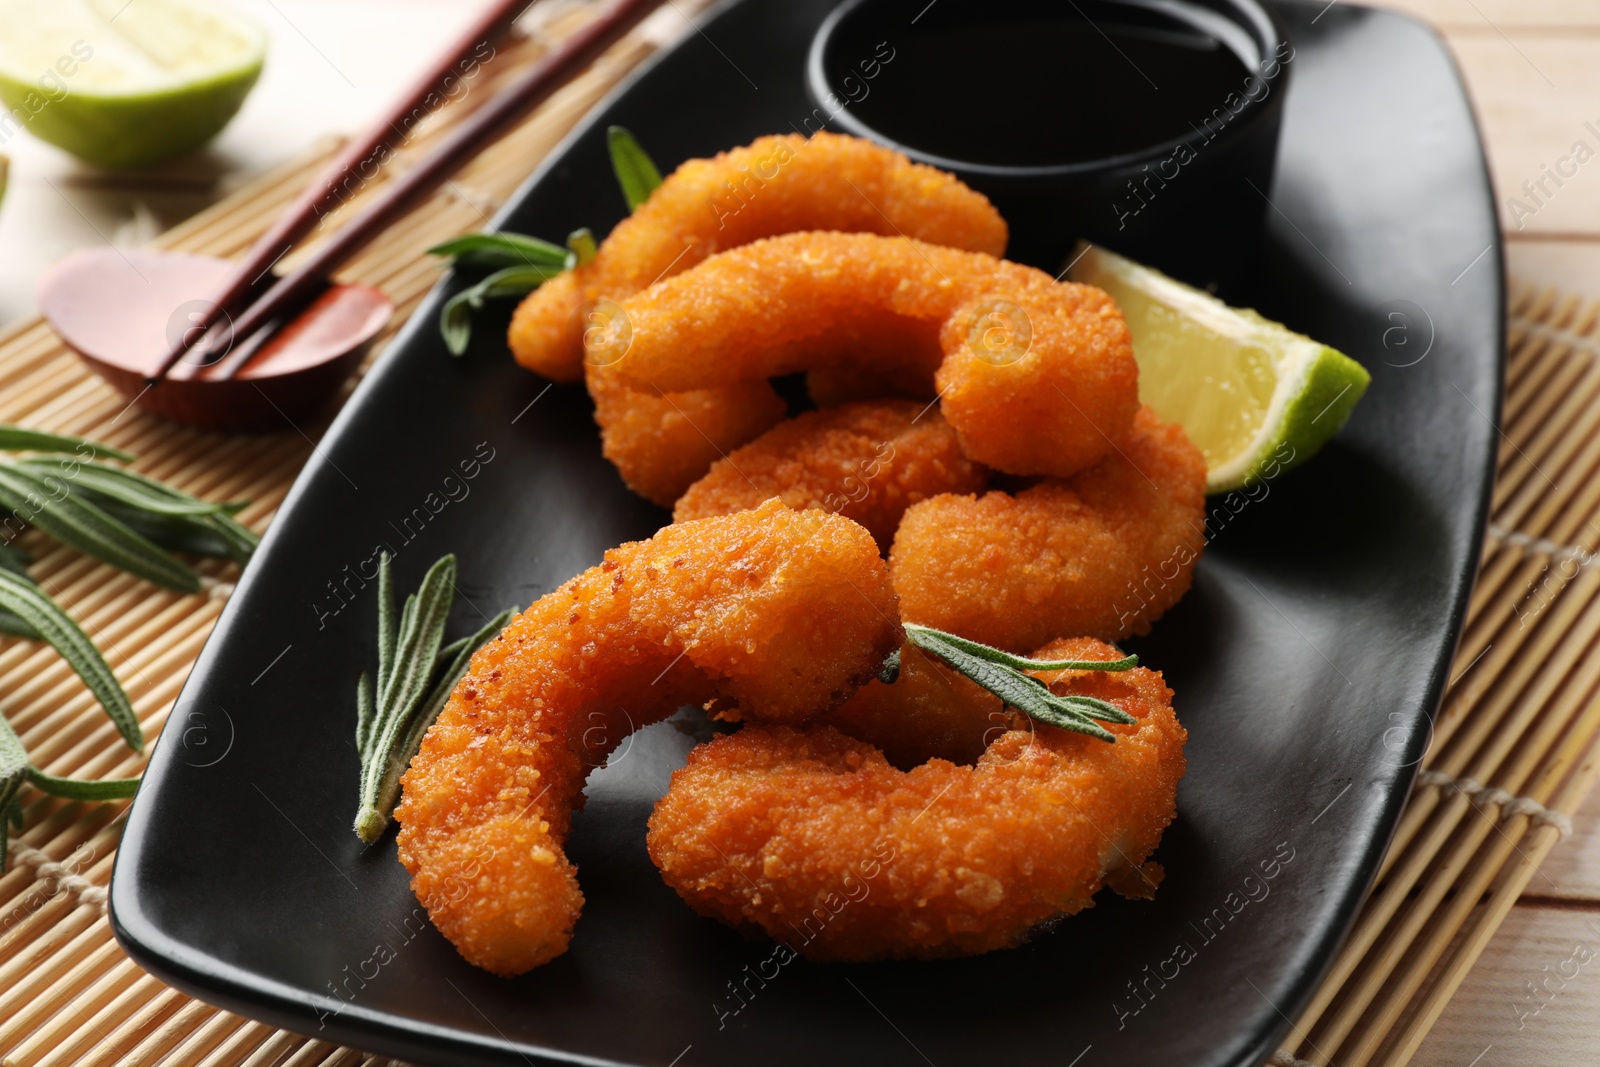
{"x":1050,"y":87}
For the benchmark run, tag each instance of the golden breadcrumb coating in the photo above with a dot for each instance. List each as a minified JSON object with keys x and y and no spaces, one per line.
{"x":776,"y":184}
{"x":934,"y":712}
{"x":868,"y":462}
{"x":660,"y":444}
{"x":1037,"y":376}
{"x":929,"y":712}
{"x":813,"y":838}
{"x":546,"y":332}
{"x":779,"y":613}
{"x":1103,"y":553}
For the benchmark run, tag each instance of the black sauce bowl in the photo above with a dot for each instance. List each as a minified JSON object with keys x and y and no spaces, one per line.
{"x":1190,"y":204}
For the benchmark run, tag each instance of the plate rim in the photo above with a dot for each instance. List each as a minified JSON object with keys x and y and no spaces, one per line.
{"x":246,"y":992}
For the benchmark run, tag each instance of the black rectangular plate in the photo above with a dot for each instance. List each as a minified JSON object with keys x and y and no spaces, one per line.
{"x":1307,"y":661}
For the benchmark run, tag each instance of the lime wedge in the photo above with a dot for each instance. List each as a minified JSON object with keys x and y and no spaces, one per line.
{"x":124,"y":83}
{"x":1253,"y":395}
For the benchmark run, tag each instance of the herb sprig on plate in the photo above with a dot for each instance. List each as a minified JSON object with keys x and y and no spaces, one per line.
{"x":416,"y":672}
{"x":521,"y":263}
{"x":1001,"y":673}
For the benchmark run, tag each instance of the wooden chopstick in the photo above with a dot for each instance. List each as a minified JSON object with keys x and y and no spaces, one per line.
{"x":344,"y":173}
{"x":543,"y":79}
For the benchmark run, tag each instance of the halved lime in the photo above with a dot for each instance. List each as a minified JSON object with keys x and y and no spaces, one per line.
{"x":1253,"y":395}
{"x":125,"y":83}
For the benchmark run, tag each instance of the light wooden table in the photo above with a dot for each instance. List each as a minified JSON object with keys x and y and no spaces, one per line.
{"x":1533,"y":67}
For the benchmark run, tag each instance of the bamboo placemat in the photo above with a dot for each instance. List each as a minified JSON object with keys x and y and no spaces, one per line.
{"x":1521,"y":714}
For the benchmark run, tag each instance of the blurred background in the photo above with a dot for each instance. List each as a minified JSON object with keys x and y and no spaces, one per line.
{"x":1533,"y":67}
{"x":332,"y":65}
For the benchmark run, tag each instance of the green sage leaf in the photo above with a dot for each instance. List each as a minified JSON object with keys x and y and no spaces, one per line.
{"x":366,"y":715}
{"x":420,"y":637}
{"x":81,"y":789}
{"x":636,"y":171}
{"x":1088,"y":706}
{"x":1051,"y":716}
{"x":455,"y":318}
{"x":417,"y":644}
{"x":24,"y":600}
{"x":1021,"y":663}
{"x":416,"y":674}
{"x":22,"y":439}
{"x":199,"y":535}
{"x":386,"y":621}
{"x":455,"y":322}
{"x":13,"y":772}
{"x":14,"y":560}
{"x":502,"y":250}
{"x":134,"y":490}
{"x":74,"y":521}
{"x":581,"y":244}
{"x":1001,"y":673}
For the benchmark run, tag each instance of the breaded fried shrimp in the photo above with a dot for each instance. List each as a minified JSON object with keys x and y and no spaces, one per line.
{"x":934,"y":712}
{"x":662,"y":444}
{"x":1037,"y":376}
{"x":779,"y":613}
{"x":929,"y":712}
{"x":868,"y":462}
{"x":1103,"y":553}
{"x":815,"y":839}
{"x":774,"y":185}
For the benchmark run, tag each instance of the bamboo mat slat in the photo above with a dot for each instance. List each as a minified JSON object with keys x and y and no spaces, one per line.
{"x":1522,"y":713}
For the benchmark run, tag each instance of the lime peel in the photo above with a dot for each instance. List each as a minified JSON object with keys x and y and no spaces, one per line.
{"x":1256,"y":397}
{"x":125,"y":85}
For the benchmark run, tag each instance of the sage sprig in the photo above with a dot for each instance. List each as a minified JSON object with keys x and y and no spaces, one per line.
{"x":16,"y":561}
{"x":171,"y":518}
{"x":524,"y":263}
{"x":502,"y":250}
{"x":583,"y":246}
{"x":455,"y":318}
{"x":129,"y":488}
{"x":96,"y":789}
{"x":49,"y":503}
{"x":15,"y":770}
{"x":115,"y":515}
{"x":217,"y":534}
{"x":416,"y":672}
{"x":636,"y":172}
{"x":21,"y":598}
{"x":1001,"y":673}
{"x":22,"y":439}
{"x":123,"y":518}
